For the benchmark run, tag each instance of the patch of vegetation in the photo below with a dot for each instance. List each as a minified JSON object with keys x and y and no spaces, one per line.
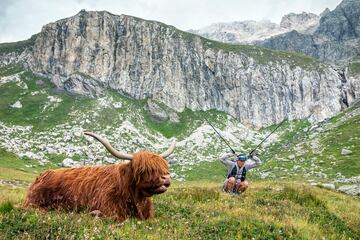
{"x":10,"y":70}
{"x":6,"y":207}
{"x":19,"y":46}
{"x":354,"y":68}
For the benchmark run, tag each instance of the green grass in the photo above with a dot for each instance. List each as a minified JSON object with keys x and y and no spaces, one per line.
{"x":6,"y":207}
{"x":266,"y":211}
{"x":205,"y":171}
{"x":14,"y":168}
{"x":345,"y":135}
{"x":10,"y":70}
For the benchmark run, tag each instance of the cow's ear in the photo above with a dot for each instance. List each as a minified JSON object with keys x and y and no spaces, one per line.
{"x":169,"y":151}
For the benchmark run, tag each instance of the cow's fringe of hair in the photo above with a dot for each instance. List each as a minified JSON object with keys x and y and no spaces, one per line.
{"x":146,"y":165}
{"x":113,"y":189}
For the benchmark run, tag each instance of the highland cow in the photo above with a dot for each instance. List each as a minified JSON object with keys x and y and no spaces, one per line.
{"x":117,"y":191}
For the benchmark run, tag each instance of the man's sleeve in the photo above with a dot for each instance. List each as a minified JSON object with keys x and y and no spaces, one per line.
{"x":225,"y":159}
{"x":256,"y":162}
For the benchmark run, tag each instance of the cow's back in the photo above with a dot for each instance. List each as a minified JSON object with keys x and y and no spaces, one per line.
{"x":72,"y":189}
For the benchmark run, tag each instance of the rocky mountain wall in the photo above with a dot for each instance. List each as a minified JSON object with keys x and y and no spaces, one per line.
{"x":142,"y":59}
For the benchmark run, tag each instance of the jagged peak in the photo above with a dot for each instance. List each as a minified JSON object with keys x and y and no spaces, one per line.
{"x":325,"y":12}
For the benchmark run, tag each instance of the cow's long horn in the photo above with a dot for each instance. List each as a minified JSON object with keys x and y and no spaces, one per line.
{"x":169,"y":151}
{"x":107,"y":145}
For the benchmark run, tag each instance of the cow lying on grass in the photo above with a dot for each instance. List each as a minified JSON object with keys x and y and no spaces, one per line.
{"x":117,"y":191}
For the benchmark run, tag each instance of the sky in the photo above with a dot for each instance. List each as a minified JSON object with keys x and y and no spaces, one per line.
{"x":19,"y":19}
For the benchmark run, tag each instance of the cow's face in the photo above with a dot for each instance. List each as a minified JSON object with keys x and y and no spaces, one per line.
{"x":150,"y":171}
{"x":154,"y":185}
{"x":151,"y":174}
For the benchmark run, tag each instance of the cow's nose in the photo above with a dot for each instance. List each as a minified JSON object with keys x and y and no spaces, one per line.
{"x":166,"y":180}
{"x":165,"y":177}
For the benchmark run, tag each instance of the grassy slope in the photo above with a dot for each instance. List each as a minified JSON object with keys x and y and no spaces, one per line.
{"x":32,"y":112}
{"x":266,"y":211}
{"x":335,"y":134}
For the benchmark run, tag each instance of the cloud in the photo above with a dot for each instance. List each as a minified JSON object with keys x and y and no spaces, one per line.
{"x":19,"y":19}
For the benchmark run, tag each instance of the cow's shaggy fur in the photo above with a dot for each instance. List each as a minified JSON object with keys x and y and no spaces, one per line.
{"x":117,"y":191}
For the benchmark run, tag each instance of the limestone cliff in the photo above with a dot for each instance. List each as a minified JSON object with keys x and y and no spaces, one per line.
{"x":146,"y":59}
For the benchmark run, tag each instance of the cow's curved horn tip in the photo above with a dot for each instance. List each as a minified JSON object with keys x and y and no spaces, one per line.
{"x":87,"y":134}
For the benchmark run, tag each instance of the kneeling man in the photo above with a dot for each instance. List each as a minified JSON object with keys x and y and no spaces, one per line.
{"x":235,"y":181}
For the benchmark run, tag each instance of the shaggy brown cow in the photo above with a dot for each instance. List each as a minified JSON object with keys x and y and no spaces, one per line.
{"x":117,"y":191}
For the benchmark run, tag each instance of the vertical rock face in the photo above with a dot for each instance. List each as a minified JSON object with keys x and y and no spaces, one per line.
{"x":149,"y":59}
{"x":145,"y":59}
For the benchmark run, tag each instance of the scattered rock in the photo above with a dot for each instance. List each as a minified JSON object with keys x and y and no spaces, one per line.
{"x":68,"y":162}
{"x":350,"y":189}
{"x":160,"y":113}
{"x":291,"y":157}
{"x":345,"y":151}
{"x":17,"y":104}
{"x":328,"y":185}
{"x":117,"y":104}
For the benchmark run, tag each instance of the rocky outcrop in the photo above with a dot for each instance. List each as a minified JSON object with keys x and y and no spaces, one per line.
{"x":302,"y":22}
{"x":159,"y":113}
{"x":145,"y":59}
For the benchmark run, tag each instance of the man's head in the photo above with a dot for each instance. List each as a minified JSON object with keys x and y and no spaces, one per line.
{"x":241,"y":160}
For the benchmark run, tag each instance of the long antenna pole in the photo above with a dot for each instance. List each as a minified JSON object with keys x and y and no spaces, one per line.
{"x":232,"y":150}
{"x":267,"y":136}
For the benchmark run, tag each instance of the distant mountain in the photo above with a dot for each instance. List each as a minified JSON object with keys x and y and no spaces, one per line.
{"x":250,"y":31}
{"x":336,"y":39}
{"x":334,"y":36}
